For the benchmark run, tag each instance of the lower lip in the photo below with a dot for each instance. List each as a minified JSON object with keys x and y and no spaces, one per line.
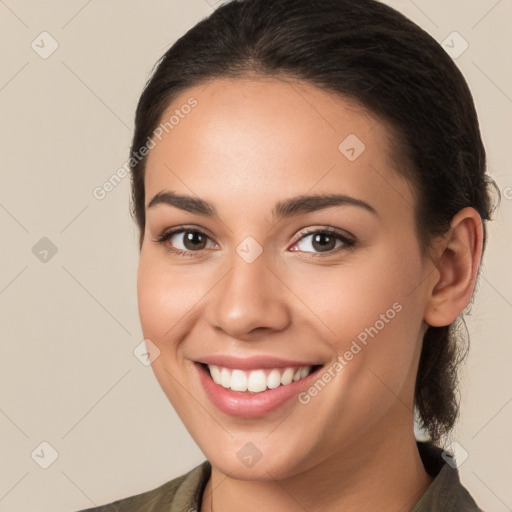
{"x":247,"y":405}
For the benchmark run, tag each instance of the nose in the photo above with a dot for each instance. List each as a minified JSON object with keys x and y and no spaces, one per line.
{"x":251,"y":298}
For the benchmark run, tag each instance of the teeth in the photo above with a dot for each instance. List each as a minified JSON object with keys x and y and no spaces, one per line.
{"x":225,"y":378}
{"x":215,"y":372}
{"x":274,"y":379}
{"x":238,"y":380}
{"x":256,"y":381}
{"x":287,"y":377}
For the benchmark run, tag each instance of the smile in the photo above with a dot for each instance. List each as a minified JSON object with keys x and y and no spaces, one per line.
{"x":256,"y":381}
{"x":253,"y":388}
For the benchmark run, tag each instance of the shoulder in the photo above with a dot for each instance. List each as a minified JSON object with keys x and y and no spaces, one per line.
{"x":182,"y":493}
{"x":446,"y":491}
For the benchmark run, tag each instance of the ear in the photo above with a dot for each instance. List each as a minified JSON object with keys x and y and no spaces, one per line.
{"x":458,"y":257}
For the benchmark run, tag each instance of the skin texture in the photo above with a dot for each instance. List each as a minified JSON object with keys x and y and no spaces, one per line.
{"x":248,"y":144}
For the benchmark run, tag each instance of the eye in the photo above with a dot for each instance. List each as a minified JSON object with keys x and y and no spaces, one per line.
{"x":323,"y":241}
{"x":184,"y":241}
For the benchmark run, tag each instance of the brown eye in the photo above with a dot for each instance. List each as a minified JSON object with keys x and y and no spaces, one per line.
{"x":194,"y":240}
{"x":183,"y":241}
{"x":323,"y":241}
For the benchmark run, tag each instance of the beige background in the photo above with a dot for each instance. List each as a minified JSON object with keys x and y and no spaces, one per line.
{"x":69,"y":325}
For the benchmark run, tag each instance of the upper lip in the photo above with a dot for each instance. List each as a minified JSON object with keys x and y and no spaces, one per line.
{"x":253,"y":363}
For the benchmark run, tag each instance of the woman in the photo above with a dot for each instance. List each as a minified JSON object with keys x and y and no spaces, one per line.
{"x":309,"y":185}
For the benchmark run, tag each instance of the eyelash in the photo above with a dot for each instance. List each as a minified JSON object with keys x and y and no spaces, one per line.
{"x":347,"y":242}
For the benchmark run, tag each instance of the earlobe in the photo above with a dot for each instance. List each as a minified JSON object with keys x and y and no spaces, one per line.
{"x":458,"y":259}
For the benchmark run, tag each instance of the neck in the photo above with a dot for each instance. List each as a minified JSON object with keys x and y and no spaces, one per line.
{"x":385,"y":473}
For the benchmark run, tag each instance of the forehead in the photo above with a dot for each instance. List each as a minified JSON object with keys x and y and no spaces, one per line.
{"x":258,"y":139}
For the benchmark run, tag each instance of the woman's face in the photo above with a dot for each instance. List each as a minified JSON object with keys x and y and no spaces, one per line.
{"x":263,"y":291}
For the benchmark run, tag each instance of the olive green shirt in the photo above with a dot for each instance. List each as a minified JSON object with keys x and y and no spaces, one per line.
{"x":185,"y":493}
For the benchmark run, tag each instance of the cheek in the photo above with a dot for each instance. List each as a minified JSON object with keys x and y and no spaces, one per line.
{"x":352,"y":296}
{"x":370,"y":313}
{"x":166,"y":299}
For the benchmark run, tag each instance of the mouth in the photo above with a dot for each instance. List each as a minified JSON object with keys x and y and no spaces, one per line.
{"x":253,"y":387}
{"x":257,"y":381}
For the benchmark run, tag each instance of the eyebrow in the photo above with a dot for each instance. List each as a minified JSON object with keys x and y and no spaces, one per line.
{"x":282,"y":209}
